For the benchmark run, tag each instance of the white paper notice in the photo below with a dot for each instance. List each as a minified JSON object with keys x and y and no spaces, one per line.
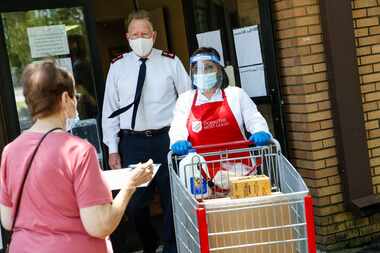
{"x":45,"y":41}
{"x":247,"y":45}
{"x":116,"y":179}
{"x":211,"y":39}
{"x":253,"y":80}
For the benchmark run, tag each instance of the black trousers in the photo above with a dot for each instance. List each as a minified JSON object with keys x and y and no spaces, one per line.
{"x":134,"y":149}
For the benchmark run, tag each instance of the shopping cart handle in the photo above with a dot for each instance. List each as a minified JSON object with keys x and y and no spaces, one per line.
{"x":229,"y":145}
{"x":225,"y":145}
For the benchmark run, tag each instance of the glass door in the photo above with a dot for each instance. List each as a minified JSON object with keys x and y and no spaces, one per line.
{"x":64,"y":31}
{"x":59,"y":34}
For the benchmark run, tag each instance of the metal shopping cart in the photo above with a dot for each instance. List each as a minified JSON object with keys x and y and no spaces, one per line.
{"x":278,"y":223}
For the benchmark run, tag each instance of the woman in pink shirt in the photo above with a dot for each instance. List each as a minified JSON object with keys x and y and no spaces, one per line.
{"x":65,"y":205}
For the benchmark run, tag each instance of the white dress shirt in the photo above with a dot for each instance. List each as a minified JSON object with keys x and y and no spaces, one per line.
{"x":165,"y":79}
{"x":242,"y":107}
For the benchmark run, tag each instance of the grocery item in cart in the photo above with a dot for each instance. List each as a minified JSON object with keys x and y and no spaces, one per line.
{"x":232,"y":170}
{"x":250,"y":186}
{"x":193,"y":173}
{"x":240,"y":169}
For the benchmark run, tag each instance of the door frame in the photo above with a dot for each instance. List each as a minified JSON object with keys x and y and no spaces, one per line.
{"x":269,"y":58}
{"x":7,"y":99}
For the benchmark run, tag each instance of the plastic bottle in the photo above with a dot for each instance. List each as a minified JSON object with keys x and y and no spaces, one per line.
{"x":191,"y":176}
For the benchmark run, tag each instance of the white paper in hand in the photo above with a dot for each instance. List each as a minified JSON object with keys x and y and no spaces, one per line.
{"x":116,"y":179}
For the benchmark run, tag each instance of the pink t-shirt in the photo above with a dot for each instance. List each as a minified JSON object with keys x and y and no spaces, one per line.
{"x":64,"y":176}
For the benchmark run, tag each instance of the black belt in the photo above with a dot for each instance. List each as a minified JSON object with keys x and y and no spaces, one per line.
{"x":145,"y":133}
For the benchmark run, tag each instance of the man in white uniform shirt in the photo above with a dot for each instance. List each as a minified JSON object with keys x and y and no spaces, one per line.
{"x":141,"y":91}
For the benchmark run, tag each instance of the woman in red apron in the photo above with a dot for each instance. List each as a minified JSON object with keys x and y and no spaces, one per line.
{"x":213,"y":114}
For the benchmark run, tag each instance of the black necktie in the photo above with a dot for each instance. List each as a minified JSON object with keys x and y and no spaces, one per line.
{"x":136,"y":101}
{"x":139,"y":87}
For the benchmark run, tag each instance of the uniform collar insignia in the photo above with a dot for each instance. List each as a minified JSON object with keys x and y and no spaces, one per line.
{"x":117,"y":58}
{"x":168,"y":54}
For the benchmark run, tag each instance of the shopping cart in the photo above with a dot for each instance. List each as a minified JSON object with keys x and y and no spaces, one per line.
{"x":278,"y":223}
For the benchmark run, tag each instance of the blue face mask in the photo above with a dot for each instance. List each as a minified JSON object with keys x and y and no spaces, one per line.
{"x":205,"y":81}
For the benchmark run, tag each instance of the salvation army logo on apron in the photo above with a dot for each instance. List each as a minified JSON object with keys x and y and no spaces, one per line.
{"x":196,"y":126}
{"x":217,"y":123}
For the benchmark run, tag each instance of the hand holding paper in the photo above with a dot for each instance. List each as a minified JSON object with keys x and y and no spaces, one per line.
{"x":138,"y":175}
{"x":142,"y":174}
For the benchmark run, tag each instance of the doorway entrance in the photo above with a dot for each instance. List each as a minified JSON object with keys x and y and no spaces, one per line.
{"x":242,"y":32}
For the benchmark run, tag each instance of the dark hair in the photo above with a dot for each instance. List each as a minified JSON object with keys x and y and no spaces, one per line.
{"x":213,"y":51}
{"x":43,"y":84}
{"x":137,"y":15}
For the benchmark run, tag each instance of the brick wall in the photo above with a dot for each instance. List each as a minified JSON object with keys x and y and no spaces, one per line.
{"x":305,"y":91}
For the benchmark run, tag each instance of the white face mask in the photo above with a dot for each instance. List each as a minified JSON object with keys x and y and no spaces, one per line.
{"x":72,"y":122}
{"x":205,"y":81}
{"x":141,"y":46}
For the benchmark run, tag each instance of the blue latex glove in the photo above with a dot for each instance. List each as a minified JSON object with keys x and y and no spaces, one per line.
{"x":181,"y":147}
{"x":260,"y":138}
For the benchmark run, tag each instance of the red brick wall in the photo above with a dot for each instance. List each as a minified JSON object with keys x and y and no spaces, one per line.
{"x":305,"y":90}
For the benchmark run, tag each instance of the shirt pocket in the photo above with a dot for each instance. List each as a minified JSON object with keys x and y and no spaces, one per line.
{"x":159,"y":88}
{"x":127,"y":90}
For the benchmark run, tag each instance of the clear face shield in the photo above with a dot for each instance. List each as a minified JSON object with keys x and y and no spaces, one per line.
{"x":205,"y":72}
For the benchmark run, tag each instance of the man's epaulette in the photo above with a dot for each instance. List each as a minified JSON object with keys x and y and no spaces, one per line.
{"x":168,"y":54}
{"x":117,"y":58}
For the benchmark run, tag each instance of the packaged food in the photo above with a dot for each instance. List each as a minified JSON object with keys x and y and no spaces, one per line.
{"x":231,"y":170}
{"x":250,"y":186}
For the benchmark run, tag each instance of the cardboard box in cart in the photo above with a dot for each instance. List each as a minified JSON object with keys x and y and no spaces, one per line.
{"x":250,"y":225}
{"x":251,"y":186}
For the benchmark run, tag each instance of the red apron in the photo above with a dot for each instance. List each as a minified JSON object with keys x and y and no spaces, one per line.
{"x":214,"y":123}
